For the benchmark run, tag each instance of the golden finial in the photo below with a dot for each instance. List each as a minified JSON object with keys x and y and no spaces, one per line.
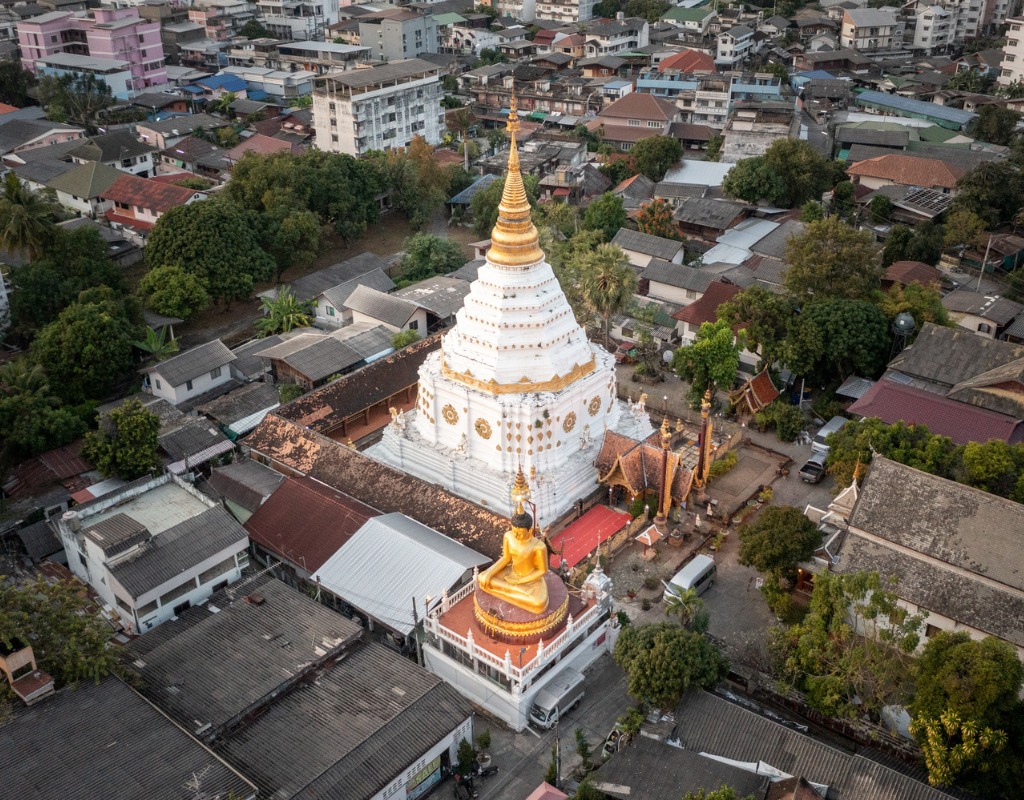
{"x":520,"y":490}
{"x":679,"y":425}
{"x":514,"y":240}
{"x":705,"y":405}
{"x":666,"y":433}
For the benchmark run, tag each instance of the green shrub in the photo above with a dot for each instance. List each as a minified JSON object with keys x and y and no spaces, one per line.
{"x":288,"y":392}
{"x":650,"y":582}
{"x":636,"y":508}
{"x":722,"y":465}
{"x":787,"y":420}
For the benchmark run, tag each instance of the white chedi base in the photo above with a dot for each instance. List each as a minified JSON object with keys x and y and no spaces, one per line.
{"x":404,"y":448}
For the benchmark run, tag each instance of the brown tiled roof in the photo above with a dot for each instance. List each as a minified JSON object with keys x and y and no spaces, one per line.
{"x":260,"y":145}
{"x":688,"y":61}
{"x":908,"y":272}
{"x":641,"y":464}
{"x":756,"y":393}
{"x":292,"y":447}
{"x":305,"y":522}
{"x":67,"y":461}
{"x":159,"y":197}
{"x":908,"y":170}
{"x":325,"y":409}
{"x":706,"y":308}
{"x":640,"y":106}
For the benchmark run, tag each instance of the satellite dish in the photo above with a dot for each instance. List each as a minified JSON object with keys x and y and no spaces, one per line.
{"x":667,"y":356}
{"x":904,"y":324}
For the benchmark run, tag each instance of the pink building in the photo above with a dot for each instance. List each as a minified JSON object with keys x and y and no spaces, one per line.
{"x":118,"y":34}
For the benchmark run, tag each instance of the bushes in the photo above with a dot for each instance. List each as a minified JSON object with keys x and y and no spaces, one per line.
{"x":722,"y":465}
{"x":787,"y":420}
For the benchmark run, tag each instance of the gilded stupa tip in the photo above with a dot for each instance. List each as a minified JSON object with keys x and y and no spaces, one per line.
{"x":520,"y":489}
{"x":514,"y":239}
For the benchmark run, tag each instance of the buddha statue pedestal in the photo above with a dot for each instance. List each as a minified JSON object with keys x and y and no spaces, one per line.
{"x":510,"y":623}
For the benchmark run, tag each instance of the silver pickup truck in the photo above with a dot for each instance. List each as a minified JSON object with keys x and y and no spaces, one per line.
{"x":814,"y":470}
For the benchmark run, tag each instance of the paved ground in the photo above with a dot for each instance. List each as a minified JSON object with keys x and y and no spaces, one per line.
{"x":522,"y":759}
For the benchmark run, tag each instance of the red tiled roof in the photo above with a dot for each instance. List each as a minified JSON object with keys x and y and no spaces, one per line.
{"x":688,"y":61}
{"x":259,"y":144}
{"x":907,"y":272}
{"x":892,"y":402}
{"x":129,"y":222}
{"x":545,"y":37}
{"x":706,"y":309}
{"x":757,"y":392}
{"x":132,"y":190}
{"x":305,"y":522}
{"x":640,"y":106}
{"x":585,"y":534}
{"x":7,"y":109}
{"x":908,"y":170}
{"x":66,"y":462}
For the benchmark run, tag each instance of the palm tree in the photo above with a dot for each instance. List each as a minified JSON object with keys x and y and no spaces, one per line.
{"x":285,"y":313}
{"x":223,"y":103}
{"x":684,"y":603}
{"x":157,"y":344}
{"x":25,"y":219}
{"x":608,"y":283}
{"x":23,"y":377}
{"x":460,"y":121}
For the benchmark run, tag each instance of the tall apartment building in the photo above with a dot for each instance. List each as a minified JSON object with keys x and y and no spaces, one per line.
{"x":563,"y":10}
{"x":114,"y":35}
{"x":221,"y":19}
{"x":1011,"y":69}
{"x":932,"y":24}
{"x":297,"y":20}
{"x":398,"y":34}
{"x":380,"y":108}
{"x":870,"y":30}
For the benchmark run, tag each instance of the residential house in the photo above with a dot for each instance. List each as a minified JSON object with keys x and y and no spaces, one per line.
{"x":694,"y":21}
{"x":221,"y":19}
{"x":195,"y":156}
{"x":153,"y":549}
{"x":378,"y":108}
{"x":901,"y":169}
{"x":442,"y":296}
{"x":241,"y":409}
{"x":984,"y":314}
{"x":954,"y":119}
{"x":118,"y":149}
{"x":673,"y":282}
{"x":140,"y":202}
{"x":558,"y":10}
{"x":318,"y":57}
{"x":754,"y":126}
{"x":642,"y":248}
{"x":705,"y":309}
{"x":244,"y":486}
{"x":20,"y":135}
{"x":169,"y":132}
{"x":951,"y":548}
{"x":81,"y":188}
{"x":398,"y":33}
{"x":632,"y":118}
{"x":358,"y":268}
{"x":1011,"y":68}
{"x":870,"y":30}
{"x":904,"y":273}
{"x":310,"y":359}
{"x":332,"y":303}
{"x":615,"y":36}
{"x":734,"y":46}
{"x":190,"y":374}
{"x":394,"y":313}
{"x":634,"y":192}
{"x":190,"y":443}
{"x":706,"y":218}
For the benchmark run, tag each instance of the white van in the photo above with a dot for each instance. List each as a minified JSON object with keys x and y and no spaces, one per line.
{"x":699,"y":575}
{"x":562,"y":693}
{"x":818,"y":444}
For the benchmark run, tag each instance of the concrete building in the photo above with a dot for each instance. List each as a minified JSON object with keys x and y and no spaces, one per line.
{"x":398,"y":34}
{"x":115,"y":74}
{"x":190,"y":374}
{"x":110,"y":35}
{"x":221,"y":19}
{"x":297,"y":20}
{"x":870,"y":30}
{"x":153,"y":549}
{"x":320,"y":57}
{"x":379,"y":108}
{"x":560,"y":10}
{"x":734,"y":46}
{"x":1011,"y":68}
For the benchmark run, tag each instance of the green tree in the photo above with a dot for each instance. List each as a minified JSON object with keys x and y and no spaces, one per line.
{"x":26,"y":220}
{"x":663,"y":661}
{"x":223,"y":103}
{"x":954,"y":748}
{"x":157,"y":345}
{"x":924,"y":243}
{"x":284,"y":313}
{"x":31,"y":417}
{"x":607,"y":283}
{"x":778,"y":539}
{"x":490,"y":55}
{"x":993,"y":466}
{"x":213,"y":240}
{"x":992,"y":191}
{"x":994,"y":124}
{"x":914,"y":445}
{"x":682,"y":603}
{"x":484,"y":206}
{"x":605,"y":214}
{"x":655,"y":218}
{"x":835,"y":338}
{"x":303,"y":101}
{"x":753,"y":180}
{"x":765,"y":317}
{"x":87,"y":350}
{"x":561,"y":217}
{"x":790,"y":173}
{"x":404,"y":339}
{"x":69,"y":639}
{"x":75,"y":97}
{"x":713,"y":152}
{"x":723,"y":792}
{"x":15,"y":83}
{"x":126,"y":443}
{"x":291,"y":237}
{"x":711,"y":361}
{"x":853,"y":651}
{"x":462,"y":121}
{"x":964,"y":229}
{"x":923,"y":303}
{"x":656,"y":155}
{"x":568,"y":261}
{"x":812,"y":211}
{"x":254,"y":29}
{"x":787,"y":420}
{"x":173,"y":292}
{"x":417,"y":182}
{"x":880,"y":208}
{"x":650,"y":10}
{"x":426,"y":255}
{"x":830,"y":260}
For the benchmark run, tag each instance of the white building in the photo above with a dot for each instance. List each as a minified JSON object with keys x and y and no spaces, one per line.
{"x":870,"y":30}
{"x":734,"y":46}
{"x":379,"y":108}
{"x":515,"y":385}
{"x":153,"y":549}
{"x":190,"y":374}
{"x":617,"y":35}
{"x":1011,"y":68}
{"x":562,"y":10}
{"x":522,"y":10}
{"x":933,"y":24}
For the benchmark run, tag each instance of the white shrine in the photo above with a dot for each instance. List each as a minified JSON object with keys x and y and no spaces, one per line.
{"x":515,"y":384}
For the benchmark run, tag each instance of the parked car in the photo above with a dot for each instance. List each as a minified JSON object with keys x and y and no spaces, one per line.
{"x":814,"y":470}
{"x":626,"y":353}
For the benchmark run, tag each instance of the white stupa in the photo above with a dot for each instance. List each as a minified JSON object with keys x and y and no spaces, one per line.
{"x":515,"y":384}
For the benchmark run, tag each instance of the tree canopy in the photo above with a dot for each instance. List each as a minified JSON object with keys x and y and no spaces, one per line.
{"x":31,"y":417}
{"x":607,"y":282}
{"x":284,"y":313}
{"x":711,"y":361}
{"x":656,"y":155}
{"x":15,"y":81}
{"x":994,"y":124}
{"x":831,"y":260}
{"x":663,"y":661}
{"x":426,"y":255}
{"x":790,"y":173}
{"x":605,"y":214}
{"x":126,"y":443}
{"x":992,"y":191}
{"x":834,"y":338}
{"x":26,"y":220}
{"x":215,"y":241}
{"x":173,"y":292}
{"x":75,"y":97}
{"x":778,"y":539}
{"x":765,"y":317}
{"x":655,"y":218}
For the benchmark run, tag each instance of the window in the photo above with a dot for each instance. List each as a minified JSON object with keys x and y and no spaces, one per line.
{"x":634,"y":123}
{"x":217,"y":570}
{"x":931,"y":630}
{"x":330,"y":311}
{"x":414,"y":325}
{"x":158,"y":384}
{"x":147,"y":609}
{"x":177,"y":592}
{"x":215,"y":373}
{"x":188,"y":386}
{"x":984,"y":328}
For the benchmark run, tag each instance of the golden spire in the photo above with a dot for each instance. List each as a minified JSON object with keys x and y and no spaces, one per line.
{"x":666,"y":434}
{"x":514,"y":241}
{"x":520,"y":490}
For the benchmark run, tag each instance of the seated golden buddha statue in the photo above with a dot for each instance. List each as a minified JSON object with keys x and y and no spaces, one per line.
{"x":518,"y":577}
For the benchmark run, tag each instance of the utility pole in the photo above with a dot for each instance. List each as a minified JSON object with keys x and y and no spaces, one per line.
{"x":416,"y":632}
{"x":984,"y":261}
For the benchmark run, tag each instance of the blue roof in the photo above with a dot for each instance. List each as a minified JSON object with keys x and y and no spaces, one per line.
{"x":816,"y":74}
{"x":465,"y":197}
{"x":256,"y":94}
{"x":192,"y":89}
{"x":229,"y":83}
{"x":917,"y":107}
{"x":617,"y":84}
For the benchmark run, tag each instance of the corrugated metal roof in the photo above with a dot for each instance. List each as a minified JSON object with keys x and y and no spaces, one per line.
{"x":192,"y":363}
{"x":391,"y":560}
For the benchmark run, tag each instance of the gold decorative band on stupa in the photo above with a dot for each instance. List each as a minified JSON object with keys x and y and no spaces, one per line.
{"x":493,"y":625}
{"x":514,"y":240}
{"x":555,"y":384}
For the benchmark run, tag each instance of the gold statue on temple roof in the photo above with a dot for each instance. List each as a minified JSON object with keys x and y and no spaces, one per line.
{"x":518,"y":576}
